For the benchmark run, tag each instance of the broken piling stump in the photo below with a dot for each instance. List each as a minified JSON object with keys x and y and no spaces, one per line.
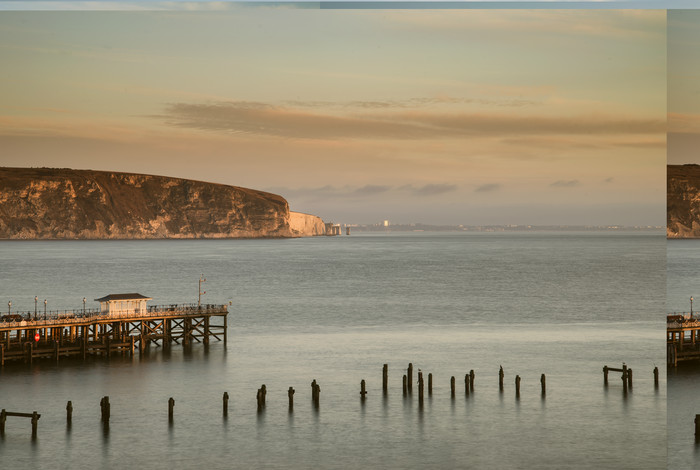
{"x":69,"y":413}
{"x":171,"y":406}
{"x":471,"y":380}
{"x":517,"y":386}
{"x":225,"y":400}
{"x":385,"y":379}
{"x":363,"y":391}
{"x":410,"y":377}
{"x":452,"y":386}
{"x":656,"y":377}
{"x":500,"y":378}
{"x":290,"y":394}
{"x":544,"y":384}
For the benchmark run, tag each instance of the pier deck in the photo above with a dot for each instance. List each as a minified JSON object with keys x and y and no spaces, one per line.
{"x":682,"y":338}
{"x":27,"y":336}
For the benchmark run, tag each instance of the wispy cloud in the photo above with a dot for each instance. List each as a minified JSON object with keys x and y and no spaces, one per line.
{"x":565,"y":183}
{"x":489,"y":187}
{"x":265,"y":119}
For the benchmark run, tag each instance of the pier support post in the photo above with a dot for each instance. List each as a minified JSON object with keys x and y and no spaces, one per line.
{"x":206,"y":329}
{"x":420,"y":388}
{"x":363,"y":391}
{"x":697,"y":426}
{"x":656,"y":377}
{"x":69,"y":413}
{"x":500,"y":378}
{"x":171,"y":406}
{"x":3,"y":418}
{"x":452,"y":386}
{"x":405,"y":386}
{"x":605,"y":375}
{"x":430,"y":383}
{"x":629,"y":378}
{"x":517,"y":386}
{"x":467,"y":382}
{"x":105,"y":408}
{"x":624,"y":378}
{"x":385,"y":379}
{"x":35,"y":423}
{"x":471,"y":380}
{"x":410,"y":377}
{"x":315,"y":393}
{"x":225,"y":404}
{"x":544,"y":384}
{"x":290,"y":394}
{"x":2,"y":354}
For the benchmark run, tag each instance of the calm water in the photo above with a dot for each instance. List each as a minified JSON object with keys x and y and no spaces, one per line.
{"x":683,"y":381}
{"x":335,"y":310}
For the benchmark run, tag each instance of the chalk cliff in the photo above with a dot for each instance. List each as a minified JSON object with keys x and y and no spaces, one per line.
{"x":683,"y":201}
{"x":50,"y":203}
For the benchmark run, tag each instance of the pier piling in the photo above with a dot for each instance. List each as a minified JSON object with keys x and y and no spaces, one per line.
{"x":452,"y":386}
{"x":171,"y":406}
{"x":467,"y":382}
{"x":430,"y":383}
{"x":225,"y":399}
{"x":35,"y":423}
{"x":420,"y":387}
{"x":629,"y":378}
{"x":363,"y":391}
{"x":69,"y":412}
{"x":105,"y":409}
{"x":697,"y":427}
{"x":605,"y":375}
{"x":500,"y":378}
{"x":471,"y":380}
{"x":517,"y":386}
{"x":656,"y":377}
{"x":405,"y":386}
{"x":385,"y":379}
{"x":290,"y":394}
{"x":410,"y":377}
{"x":544,"y":384}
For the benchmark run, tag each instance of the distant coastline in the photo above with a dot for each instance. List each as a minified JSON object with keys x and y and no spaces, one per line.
{"x":501,"y":228}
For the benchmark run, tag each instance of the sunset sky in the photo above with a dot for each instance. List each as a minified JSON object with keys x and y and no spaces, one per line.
{"x":683,"y":86}
{"x":415,"y":116}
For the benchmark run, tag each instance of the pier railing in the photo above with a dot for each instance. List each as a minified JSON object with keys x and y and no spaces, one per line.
{"x":90,"y":315}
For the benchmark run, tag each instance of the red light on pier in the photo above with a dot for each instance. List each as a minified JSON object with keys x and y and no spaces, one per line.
{"x":36,"y":337}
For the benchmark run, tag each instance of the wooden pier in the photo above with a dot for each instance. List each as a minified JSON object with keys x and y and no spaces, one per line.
{"x":682,"y":338}
{"x":25,"y":337}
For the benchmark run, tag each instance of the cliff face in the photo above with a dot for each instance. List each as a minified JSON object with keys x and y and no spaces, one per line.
{"x":306,"y":224}
{"x":47,"y":203}
{"x":683,"y":201}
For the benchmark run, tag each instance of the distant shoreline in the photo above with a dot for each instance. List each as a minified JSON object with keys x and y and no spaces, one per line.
{"x":501,"y":228}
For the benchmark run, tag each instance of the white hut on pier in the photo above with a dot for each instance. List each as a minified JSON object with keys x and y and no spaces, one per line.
{"x":116,"y":304}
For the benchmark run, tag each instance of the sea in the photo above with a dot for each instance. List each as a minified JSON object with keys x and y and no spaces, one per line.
{"x":684,"y":380}
{"x":335,"y":310}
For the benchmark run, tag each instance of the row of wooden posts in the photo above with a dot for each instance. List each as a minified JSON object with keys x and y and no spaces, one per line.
{"x":316,"y":391}
{"x":627,"y":376}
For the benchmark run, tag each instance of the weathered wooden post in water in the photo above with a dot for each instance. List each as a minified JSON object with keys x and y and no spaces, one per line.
{"x":405,"y":386}
{"x":3,"y":418}
{"x":171,"y":405}
{"x":624,"y":377}
{"x":605,"y":375}
{"x":656,"y":377}
{"x":420,"y":386}
{"x":452,"y":386}
{"x":315,"y":393}
{"x":69,"y":413}
{"x":629,"y":378}
{"x":290,"y":394}
{"x":225,"y":404}
{"x":467,"y":382}
{"x":410,"y":377}
{"x":363,"y":391}
{"x":385,"y":379}
{"x":544,"y":384}
{"x":471,"y":380}
{"x":35,"y":423}
{"x":430,"y":383}
{"x":105,"y":408}
{"x":261,"y":397}
{"x":517,"y":386}
{"x":500,"y":378}
{"x":697,"y":427}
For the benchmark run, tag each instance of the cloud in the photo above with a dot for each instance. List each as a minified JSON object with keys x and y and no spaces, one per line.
{"x":485,"y":188}
{"x":565,"y":183}
{"x":430,"y":189}
{"x":263,"y":119}
{"x":608,"y":180}
{"x":370,"y":190}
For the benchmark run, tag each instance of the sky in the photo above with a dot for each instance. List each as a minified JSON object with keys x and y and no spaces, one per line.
{"x":469,"y":117}
{"x":683,"y":86}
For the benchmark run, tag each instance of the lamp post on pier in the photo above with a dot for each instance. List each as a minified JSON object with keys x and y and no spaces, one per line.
{"x":199,"y":299}
{"x":44,"y":309}
{"x":36,"y":299}
{"x":691,"y":308}
{"x":84,"y":299}
{"x":9,"y":306}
